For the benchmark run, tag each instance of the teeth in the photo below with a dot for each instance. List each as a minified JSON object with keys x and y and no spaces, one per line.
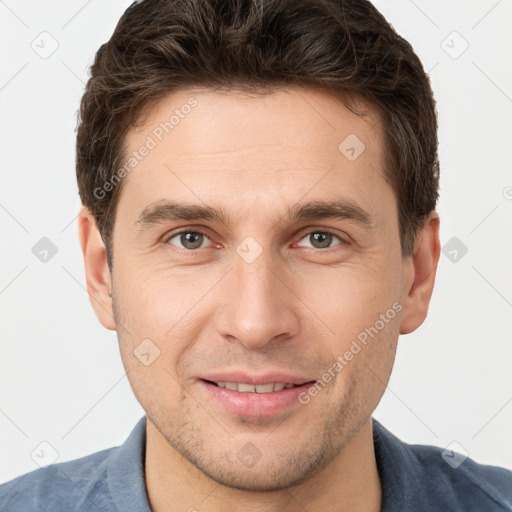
{"x":246,"y":388}
{"x":265,"y":388}
{"x":254,"y":388}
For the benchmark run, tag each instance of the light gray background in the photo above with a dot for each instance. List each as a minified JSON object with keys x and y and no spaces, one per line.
{"x":62,"y":380}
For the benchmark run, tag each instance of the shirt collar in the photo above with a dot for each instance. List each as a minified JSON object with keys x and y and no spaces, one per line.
{"x":125,"y":473}
{"x":398,"y":470}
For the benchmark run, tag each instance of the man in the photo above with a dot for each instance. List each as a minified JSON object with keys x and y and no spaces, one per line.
{"x":259,"y":181}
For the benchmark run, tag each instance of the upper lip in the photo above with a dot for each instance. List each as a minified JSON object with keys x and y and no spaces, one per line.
{"x":264,"y":378}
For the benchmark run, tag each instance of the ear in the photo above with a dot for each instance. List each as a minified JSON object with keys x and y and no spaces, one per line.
{"x":97,"y":273}
{"x":420,"y":275}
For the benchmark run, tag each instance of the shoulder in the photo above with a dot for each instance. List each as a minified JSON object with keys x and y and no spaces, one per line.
{"x":461,"y":480}
{"x":107,"y":480}
{"x":434,"y":478}
{"x":79,"y":484}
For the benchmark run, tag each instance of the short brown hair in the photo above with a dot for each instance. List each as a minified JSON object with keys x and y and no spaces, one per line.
{"x":345,"y":47}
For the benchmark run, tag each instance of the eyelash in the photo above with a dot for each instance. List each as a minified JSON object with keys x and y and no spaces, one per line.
{"x":199,"y":231}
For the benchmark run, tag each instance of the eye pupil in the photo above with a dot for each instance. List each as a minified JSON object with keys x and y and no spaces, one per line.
{"x":324,"y":239}
{"x":191,"y":240}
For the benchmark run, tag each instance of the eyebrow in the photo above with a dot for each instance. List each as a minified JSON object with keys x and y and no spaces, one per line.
{"x":342,"y":209}
{"x":165,"y":211}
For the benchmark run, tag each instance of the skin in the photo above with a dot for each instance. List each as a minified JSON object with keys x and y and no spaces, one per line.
{"x":296,"y":307}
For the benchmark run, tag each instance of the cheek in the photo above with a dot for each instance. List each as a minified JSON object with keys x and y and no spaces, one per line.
{"x":156,"y":300}
{"x":351,"y":298}
{"x":364,"y":349}
{"x":362,"y":311}
{"x":150,"y":348}
{"x":159,"y":315}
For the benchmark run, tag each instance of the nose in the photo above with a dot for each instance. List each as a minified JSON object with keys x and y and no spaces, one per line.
{"x":259,"y":305}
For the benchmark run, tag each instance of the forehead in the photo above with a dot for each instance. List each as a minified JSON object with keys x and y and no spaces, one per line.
{"x":249,"y":150}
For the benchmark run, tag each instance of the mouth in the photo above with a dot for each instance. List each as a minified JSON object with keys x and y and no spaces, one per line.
{"x":243,"y":387}
{"x":255,"y":399}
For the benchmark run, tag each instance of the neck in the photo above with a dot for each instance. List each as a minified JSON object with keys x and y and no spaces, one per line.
{"x":351,"y":481}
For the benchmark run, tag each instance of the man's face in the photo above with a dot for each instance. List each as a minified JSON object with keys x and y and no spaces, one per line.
{"x":268,"y":294}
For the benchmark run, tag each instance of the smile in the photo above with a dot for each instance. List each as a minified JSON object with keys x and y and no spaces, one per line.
{"x":253,"y":388}
{"x":254,"y":400}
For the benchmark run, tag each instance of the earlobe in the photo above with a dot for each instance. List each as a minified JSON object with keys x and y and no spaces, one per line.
{"x":420,"y":275}
{"x":97,"y":273}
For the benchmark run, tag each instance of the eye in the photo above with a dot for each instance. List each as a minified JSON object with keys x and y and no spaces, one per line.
{"x":322,"y":239}
{"x":189,"y":240}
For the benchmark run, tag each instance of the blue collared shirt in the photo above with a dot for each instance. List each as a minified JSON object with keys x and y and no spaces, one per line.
{"x":414,"y":478}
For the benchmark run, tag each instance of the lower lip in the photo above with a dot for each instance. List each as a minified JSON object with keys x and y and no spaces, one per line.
{"x":255,"y":404}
